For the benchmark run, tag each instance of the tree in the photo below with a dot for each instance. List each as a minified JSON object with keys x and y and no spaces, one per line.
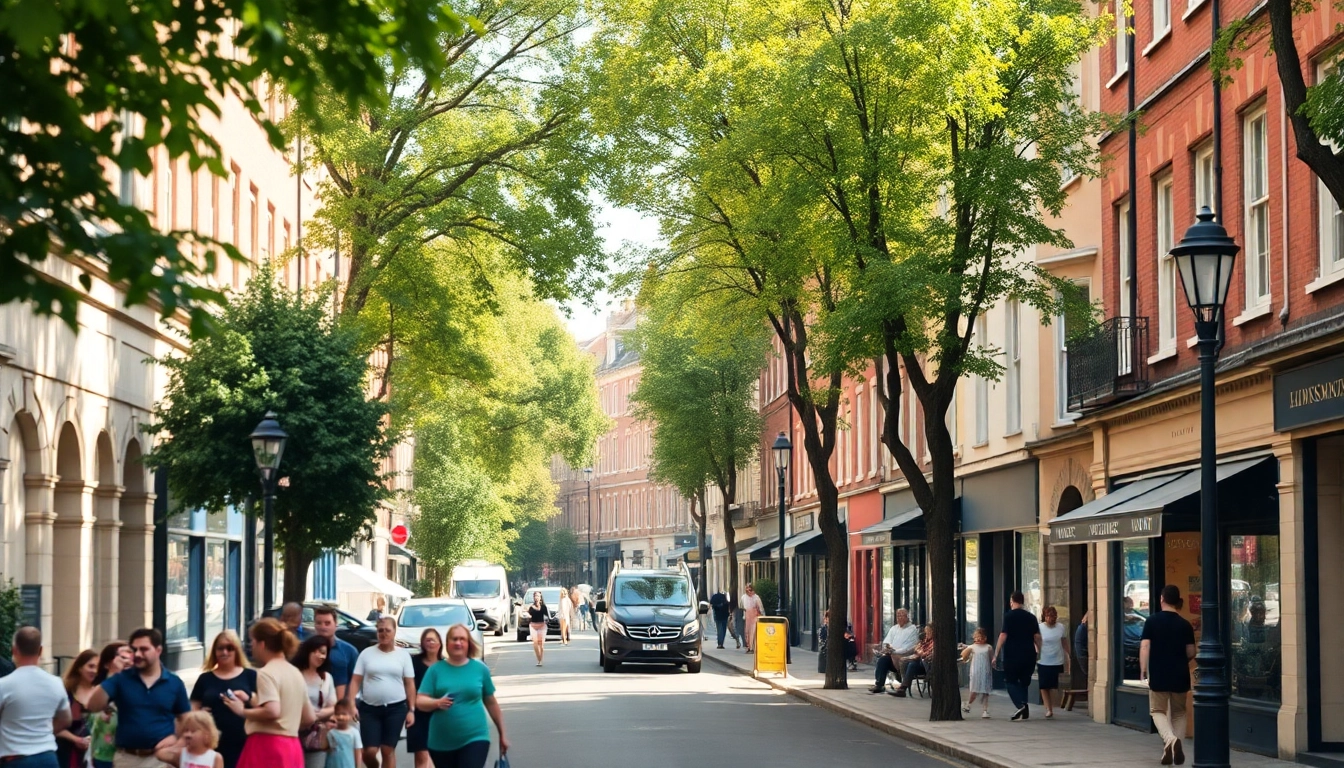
{"x":564,"y":550}
{"x":276,"y":351}
{"x":92,"y":87}
{"x":697,"y":387}
{"x":531,"y":551}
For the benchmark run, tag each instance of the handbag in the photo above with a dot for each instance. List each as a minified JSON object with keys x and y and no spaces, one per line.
{"x":315,"y":738}
{"x":502,"y":762}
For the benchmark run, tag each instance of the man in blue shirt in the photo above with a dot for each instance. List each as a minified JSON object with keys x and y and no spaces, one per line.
{"x":292,"y":616}
{"x":343,"y":655}
{"x":148,"y":697}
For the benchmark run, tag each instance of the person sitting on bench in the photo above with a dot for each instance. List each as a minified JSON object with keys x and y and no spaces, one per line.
{"x":917,"y":663}
{"x":900,"y":641}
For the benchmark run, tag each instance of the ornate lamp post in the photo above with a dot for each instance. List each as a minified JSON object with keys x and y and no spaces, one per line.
{"x":782,"y":450}
{"x":1205,"y":257}
{"x":268,"y":445}
{"x":588,"y":476}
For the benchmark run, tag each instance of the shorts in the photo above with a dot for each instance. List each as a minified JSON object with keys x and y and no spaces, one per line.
{"x":537,"y":630}
{"x":380,"y":725}
{"x":1049,"y":676}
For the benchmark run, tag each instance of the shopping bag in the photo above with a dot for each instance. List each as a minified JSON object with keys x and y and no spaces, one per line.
{"x":502,"y":762}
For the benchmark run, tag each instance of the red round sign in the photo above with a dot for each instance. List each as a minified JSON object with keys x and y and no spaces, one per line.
{"x":400,"y":534}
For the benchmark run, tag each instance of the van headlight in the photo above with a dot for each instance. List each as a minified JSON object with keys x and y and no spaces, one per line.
{"x":691,"y":629}
{"x":616,"y":625}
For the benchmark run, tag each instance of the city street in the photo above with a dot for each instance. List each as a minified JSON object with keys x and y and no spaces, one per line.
{"x":569,"y":713}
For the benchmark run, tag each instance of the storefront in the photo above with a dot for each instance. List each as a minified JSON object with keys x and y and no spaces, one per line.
{"x":999,"y":551}
{"x":890,"y":561}
{"x":1065,"y":485}
{"x":805,"y":555}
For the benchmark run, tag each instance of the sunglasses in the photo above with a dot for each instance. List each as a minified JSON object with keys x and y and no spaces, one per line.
{"x":226,"y":648}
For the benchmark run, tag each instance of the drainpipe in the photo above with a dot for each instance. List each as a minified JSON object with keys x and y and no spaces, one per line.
{"x":1215,"y":18}
{"x":1283,"y":186}
{"x":1133,"y":227}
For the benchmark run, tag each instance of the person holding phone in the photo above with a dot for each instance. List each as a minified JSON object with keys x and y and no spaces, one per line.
{"x":226,"y":674}
{"x":457,"y":694}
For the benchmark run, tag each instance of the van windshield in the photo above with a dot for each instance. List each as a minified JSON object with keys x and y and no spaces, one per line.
{"x":671,"y":591}
{"x":477,"y":588}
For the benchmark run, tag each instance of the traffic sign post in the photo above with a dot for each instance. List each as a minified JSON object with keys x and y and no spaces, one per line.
{"x":400,"y":534}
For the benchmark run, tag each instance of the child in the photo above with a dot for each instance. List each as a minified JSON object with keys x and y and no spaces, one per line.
{"x":344,"y":740}
{"x":197,"y":737}
{"x":982,"y":678}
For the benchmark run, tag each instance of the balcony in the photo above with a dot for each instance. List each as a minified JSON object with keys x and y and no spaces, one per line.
{"x":1109,"y":365}
{"x":745,"y":514}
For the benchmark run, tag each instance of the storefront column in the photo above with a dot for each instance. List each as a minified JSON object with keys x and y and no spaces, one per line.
{"x":38,"y":519}
{"x":1293,"y":546}
{"x":1099,"y":703}
{"x":136,"y":562}
{"x":107,"y":569}
{"x":72,"y":568}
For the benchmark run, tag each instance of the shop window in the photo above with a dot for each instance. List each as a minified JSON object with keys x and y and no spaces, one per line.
{"x":972,"y":582}
{"x":1256,"y":637}
{"x":1029,"y":572}
{"x":177,"y":623}
{"x":887,"y":576}
{"x":216,"y":588}
{"x":1135,"y":605}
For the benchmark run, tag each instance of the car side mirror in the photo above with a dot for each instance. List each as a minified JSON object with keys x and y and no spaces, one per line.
{"x":601,"y":606}
{"x":704,"y":607}
{"x":481,"y":625}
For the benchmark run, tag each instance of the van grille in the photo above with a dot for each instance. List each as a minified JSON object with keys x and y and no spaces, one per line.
{"x":654,"y":633}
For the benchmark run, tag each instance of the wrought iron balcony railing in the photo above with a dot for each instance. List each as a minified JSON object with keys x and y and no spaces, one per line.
{"x":1108,"y":365}
{"x":743,"y":514}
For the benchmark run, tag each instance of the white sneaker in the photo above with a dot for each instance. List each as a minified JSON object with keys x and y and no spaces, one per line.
{"x":966,"y":708}
{"x":985,"y":714}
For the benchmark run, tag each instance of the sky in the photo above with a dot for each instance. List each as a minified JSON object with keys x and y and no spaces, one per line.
{"x":620,"y":225}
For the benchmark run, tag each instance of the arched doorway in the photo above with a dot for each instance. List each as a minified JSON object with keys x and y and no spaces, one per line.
{"x":1069,"y":500}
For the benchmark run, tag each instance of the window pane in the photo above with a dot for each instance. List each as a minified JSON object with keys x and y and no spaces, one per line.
{"x":176,"y":625}
{"x":888,"y":579}
{"x":215,"y":586}
{"x":972,"y":582}
{"x":1135,"y":605}
{"x":1030,"y":576}
{"x":1256,"y":638}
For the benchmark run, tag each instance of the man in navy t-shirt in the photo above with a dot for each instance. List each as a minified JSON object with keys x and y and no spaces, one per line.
{"x":148,"y":697}
{"x":343,"y":655}
{"x":1165,"y":652}
{"x":1019,"y":642}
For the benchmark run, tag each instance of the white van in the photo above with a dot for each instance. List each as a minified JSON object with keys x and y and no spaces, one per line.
{"x":485,"y":587}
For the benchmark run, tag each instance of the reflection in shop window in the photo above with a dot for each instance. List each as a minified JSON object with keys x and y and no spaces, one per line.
{"x":215,"y":588}
{"x":888,"y":581}
{"x":972,"y":583}
{"x":1256,"y":638}
{"x":1031,"y":573}
{"x":1134,"y":606}
{"x":176,"y":624}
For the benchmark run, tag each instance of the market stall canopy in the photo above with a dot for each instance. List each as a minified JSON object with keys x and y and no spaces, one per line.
{"x":357,"y":578}
{"x":1135,"y":511}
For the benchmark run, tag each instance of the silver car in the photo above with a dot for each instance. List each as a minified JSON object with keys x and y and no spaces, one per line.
{"x":415,"y":616}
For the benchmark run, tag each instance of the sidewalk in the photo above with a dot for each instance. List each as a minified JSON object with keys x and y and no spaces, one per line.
{"x":1071,"y":738}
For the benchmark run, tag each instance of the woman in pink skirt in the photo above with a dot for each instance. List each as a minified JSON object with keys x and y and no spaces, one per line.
{"x":753,"y":609}
{"x":280,"y":706}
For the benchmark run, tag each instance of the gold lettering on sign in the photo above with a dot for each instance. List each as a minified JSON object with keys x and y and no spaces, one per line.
{"x":1316,"y":393}
{"x":1183,"y":431}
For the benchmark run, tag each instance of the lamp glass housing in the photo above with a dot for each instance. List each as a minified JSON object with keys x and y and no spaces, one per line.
{"x":782,"y":448}
{"x":1205,"y":258}
{"x":268,"y":445}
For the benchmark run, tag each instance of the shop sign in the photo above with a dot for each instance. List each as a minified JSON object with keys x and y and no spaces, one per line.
{"x":878,"y":539}
{"x":30,"y":604}
{"x":1309,"y":395}
{"x":802,"y":523}
{"x":1107,"y":528}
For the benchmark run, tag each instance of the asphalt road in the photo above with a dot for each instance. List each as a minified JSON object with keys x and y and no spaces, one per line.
{"x":570,"y":713}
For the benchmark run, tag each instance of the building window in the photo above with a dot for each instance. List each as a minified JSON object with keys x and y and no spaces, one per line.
{"x":1121,"y":34}
{"x":1256,"y":637}
{"x":1255,"y":168}
{"x":1029,"y":571}
{"x":1205,"y":180}
{"x":1161,"y":18}
{"x":1063,"y":332}
{"x":981,"y":387}
{"x":1012,"y":351}
{"x":1135,"y":605}
{"x":1073,"y":103}
{"x":177,"y":600}
{"x":253,"y":222}
{"x":216,"y":586}
{"x":1125,"y":353}
{"x":1166,"y":268}
{"x":1332,"y":231}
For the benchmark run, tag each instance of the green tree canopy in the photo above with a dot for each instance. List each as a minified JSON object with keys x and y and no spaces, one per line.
{"x":277,"y":351}
{"x":93,"y":86}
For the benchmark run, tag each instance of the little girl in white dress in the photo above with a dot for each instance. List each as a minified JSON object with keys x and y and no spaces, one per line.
{"x":982,"y":677}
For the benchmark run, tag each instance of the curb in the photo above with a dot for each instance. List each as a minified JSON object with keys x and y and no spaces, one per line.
{"x":960,"y":752}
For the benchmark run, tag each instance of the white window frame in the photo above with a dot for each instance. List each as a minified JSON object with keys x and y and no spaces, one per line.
{"x":1062,"y":412}
{"x":981,"y":388}
{"x":1074,"y":90}
{"x":1125,"y":349}
{"x":1205,"y":179}
{"x":1163,"y":201}
{"x":1256,"y":196}
{"x":1012,"y":353}
{"x":1121,"y":33}
{"x":1330,"y":218}
{"x":1161,"y":19}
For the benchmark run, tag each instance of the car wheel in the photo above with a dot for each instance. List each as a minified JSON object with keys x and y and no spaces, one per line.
{"x":693,"y":667}
{"x":611,"y":665}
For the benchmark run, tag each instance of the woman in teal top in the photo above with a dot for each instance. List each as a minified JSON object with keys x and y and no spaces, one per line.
{"x":459,"y":693}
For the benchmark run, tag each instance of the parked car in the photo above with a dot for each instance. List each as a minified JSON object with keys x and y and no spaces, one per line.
{"x":349,"y":627}
{"x":441,"y":613}
{"x":551,"y":597}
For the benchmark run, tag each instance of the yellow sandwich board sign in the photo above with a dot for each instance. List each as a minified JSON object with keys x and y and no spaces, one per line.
{"x":772,"y":646}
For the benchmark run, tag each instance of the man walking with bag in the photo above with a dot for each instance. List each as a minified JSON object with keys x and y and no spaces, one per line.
{"x":1165,"y":652}
{"x":719,"y":603}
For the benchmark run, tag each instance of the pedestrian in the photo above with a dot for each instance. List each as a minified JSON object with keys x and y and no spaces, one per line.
{"x":148,"y":697}
{"x":737,"y":625}
{"x":460,"y":693}
{"x":378,"y":611}
{"x":537,"y":613}
{"x":72,"y":744}
{"x":226,"y":671}
{"x":280,"y":708}
{"x":343,"y":655}
{"x":982,"y":675}
{"x":566,"y":608}
{"x":580,"y":615}
{"x":718,"y":603}
{"x":346,"y":745}
{"x":417,"y":736}
{"x":33,"y":707}
{"x":115,"y":657}
{"x":900,"y":641}
{"x":752,"y":609}
{"x":383,"y":688}
{"x":1080,"y":647}
{"x":197,"y":742}
{"x":847,"y":645}
{"x":1054,"y":657}
{"x":1165,"y":651}
{"x":1018,"y":644}
{"x":918,"y":662}
{"x":313,"y":660}
{"x":292,"y":616}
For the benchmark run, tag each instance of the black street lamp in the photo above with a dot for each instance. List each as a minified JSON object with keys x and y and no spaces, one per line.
{"x":588,"y":476}
{"x":1205,"y":257}
{"x":268,"y":445}
{"x":782,"y":449}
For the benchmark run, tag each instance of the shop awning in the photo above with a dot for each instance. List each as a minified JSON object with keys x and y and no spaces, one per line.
{"x":673,"y":555}
{"x":811,"y":541}
{"x":907,"y":526}
{"x":760,"y":550}
{"x":1135,"y":511}
{"x":357,"y":578}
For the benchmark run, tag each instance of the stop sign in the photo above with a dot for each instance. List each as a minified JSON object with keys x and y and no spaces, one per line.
{"x":400,"y":534}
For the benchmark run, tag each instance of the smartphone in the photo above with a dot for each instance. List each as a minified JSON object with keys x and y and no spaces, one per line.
{"x":229,"y":695}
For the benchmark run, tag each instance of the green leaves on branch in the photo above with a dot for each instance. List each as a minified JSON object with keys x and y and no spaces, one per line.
{"x":96,"y":89}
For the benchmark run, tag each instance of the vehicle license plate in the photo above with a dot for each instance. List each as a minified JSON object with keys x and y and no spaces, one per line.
{"x":655,"y":646}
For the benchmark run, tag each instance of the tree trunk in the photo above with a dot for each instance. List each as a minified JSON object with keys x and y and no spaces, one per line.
{"x":297,"y":563}
{"x":1320,"y":158}
{"x":941,"y":529}
{"x":702,"y":589}
{"x":837,"y":560}
{"x":728,"y":491}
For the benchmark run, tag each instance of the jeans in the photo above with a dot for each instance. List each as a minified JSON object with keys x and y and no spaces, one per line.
{"x":721,"y":626}
{"x":1017,"y":679}
{"x":1168,"y":712}
{"x":40,"y":760}
{"x":885,"y":666}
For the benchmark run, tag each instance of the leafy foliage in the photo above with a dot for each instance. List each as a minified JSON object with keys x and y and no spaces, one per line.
{"x":276,"y":351}
{"x":11,"y":615}
{"x":95,"y":87}
{"x":768,"y":591}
